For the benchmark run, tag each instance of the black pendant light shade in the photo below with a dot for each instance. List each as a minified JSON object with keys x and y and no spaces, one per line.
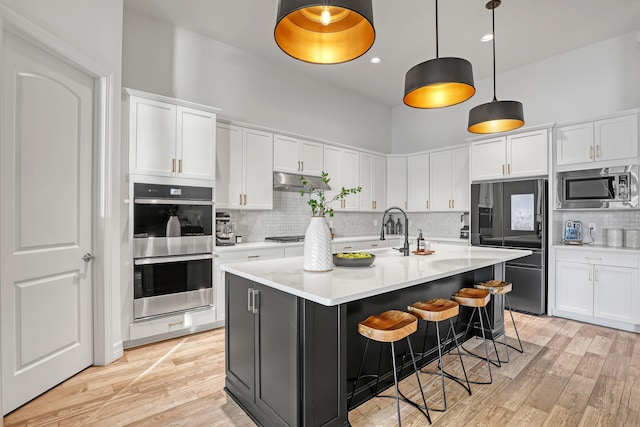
{"x":325,"y":32}
{"x":496,"y":116}
{"x":438,"y":82}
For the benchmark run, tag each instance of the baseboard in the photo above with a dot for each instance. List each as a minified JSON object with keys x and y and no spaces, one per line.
{"x":118,"y":350}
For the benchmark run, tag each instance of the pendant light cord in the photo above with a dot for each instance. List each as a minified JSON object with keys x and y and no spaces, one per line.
{"x":493,"y":29}
{"x":437,"y":42}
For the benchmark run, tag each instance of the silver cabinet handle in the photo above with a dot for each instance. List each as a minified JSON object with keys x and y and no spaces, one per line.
{"x":590,"y":275}
{"x":173,"y":165}
{"x":597,"y":150}
{"x":594,"y":258}
{"x":591,"y":152}
{"x":253,"y":256}
{"x":87,"y":257}
{"x":255,"y":301}
{"x":249,"y":299}
{"x":301,"y":165}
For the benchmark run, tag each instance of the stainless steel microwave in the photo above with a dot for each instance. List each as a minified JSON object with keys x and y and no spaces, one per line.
{"x":606,"y":188}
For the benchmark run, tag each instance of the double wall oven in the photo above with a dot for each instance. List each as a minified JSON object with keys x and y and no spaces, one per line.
{"x":172,"y":249}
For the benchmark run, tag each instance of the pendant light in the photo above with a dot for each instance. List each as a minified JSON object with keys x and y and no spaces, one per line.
{"x":325,"y":31}
{"x":439,"y":82}
{"x":495,"y":116}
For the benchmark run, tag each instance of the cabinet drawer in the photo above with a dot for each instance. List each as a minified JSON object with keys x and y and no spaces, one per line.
{"x":292,"y":251}
{"x":344,"y":247}
{"x":371,"y":244}
{"x":179,"y":322}
{"x":616,"y":259}
{"x":250,"y":255}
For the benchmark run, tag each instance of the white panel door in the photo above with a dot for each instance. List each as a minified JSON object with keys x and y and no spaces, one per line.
{"x":45,"y":222}
{"x":460,"y":177}
{"x":488,"y":159}
{"x":397,"y":182}
{"x":258,"y":169}
{"x":418,"y":183}
{"x":616,"y":138}
{"x":440,"y":189}
{"x":311,"y":158}
{"x":574,"y":287}
{"x":527,"y":154}
{"x":196,"y":143}
{"x":286,"y":157}
{"x":616,"y":293}
{"x":379,"y":181}
{"x":574,"y":144}
{"x":152,"y":136}
{"x":333,"y":167}
{"x":350,"y":177}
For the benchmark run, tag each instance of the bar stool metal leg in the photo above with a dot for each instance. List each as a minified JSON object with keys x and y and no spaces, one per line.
{"x":521,"y":349}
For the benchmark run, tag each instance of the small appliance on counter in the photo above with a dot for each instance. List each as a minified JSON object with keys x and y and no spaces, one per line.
{"x":225,"y":235}
{"x":464,"y":221}
{"x":614,"y":237}
{"x":632,"y":238}
{"x":572,"y":232}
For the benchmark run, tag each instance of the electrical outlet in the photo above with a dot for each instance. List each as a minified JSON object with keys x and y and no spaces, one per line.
{"x":592,"y":226}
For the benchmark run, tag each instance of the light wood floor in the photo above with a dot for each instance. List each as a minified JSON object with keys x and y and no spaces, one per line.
{"x":571,"y":374}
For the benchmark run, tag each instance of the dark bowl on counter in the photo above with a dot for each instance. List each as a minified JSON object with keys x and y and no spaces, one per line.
{"x":353,"y":262}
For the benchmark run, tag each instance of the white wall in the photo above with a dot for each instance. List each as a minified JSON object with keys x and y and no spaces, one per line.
{"x":598,"y":79}
{"x":94,"y":28}
{"x":175,"y":62}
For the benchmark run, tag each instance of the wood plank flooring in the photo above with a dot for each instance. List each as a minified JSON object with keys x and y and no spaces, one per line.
{"x":571,"y":374}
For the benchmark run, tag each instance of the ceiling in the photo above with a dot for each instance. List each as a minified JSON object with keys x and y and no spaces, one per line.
{"x":526,"y":31}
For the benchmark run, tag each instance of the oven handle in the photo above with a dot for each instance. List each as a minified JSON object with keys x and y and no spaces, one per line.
{"x":166,"y":259}
{"x":173,"y":202}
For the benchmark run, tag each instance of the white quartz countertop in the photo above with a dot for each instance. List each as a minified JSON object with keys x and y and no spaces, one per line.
{"x":389,"y":272}
{"x":394,"y":237}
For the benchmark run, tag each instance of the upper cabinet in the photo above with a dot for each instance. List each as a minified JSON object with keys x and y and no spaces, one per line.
{"x":342,"y":165}
{"x":610,"y":139}
{"x":449,"y":172}
{"x":244,"y":173}
{"x":515,"y":155}
{"x":295,"y":155}
{"x":373,"y":177}
{"x":397,"y":181}
{"x":418,"y":183}
{"x":169,"y":139}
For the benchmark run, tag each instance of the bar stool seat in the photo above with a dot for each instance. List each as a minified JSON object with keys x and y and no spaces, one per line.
{"x":437,"y":310}
{"x":478,"y":300}
{"x":390,"y":327}
{"x":498,"y":287}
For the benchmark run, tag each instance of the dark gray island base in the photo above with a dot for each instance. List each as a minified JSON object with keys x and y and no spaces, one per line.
{"x":291,"y":361}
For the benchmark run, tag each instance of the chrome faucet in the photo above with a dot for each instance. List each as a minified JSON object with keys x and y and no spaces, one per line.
{"x":405,"y":248}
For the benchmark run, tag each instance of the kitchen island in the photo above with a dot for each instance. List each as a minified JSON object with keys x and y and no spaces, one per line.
{"x":292,"y":346}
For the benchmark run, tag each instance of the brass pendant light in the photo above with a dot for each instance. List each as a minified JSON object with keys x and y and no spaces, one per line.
{"x":439,"y":82}
{"x":325,"y":31}
{"x":495,"y":116}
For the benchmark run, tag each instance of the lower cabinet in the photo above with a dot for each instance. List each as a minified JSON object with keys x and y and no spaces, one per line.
{"x":262,"y":361}
{"x":598,"y":285}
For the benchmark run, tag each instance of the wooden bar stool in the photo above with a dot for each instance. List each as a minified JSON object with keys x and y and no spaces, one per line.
{"x":478,"y":300}
{"x":437,"y":310}
{"x":498,"y":287}
{"x":391,"y":326}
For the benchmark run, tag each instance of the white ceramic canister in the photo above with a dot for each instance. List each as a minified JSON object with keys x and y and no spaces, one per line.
{"x":614,"y":237}
{"x":632,"y":238}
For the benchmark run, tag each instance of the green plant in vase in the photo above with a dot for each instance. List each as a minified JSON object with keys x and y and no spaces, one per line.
{"x":317,"y":198}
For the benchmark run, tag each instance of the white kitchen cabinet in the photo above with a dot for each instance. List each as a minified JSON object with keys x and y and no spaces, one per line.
{"x":397,"y":181}
{"x":517,"y":155}
{"x":596,"y":141}
{"x":232,"y":256}
{"x":449,"y":179}
{"x":342,"y":165}
{"x":363,"y":245}
{"x":295,"y":155}
{"x":598,"y":285}
{"x":170,"y":140}
{"x":418,"y":183}
{"x":244,"y":178}
{"x":373,"y":177}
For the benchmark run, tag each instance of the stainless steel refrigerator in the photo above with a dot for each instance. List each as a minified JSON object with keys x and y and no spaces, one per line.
{"x":513,"y":214}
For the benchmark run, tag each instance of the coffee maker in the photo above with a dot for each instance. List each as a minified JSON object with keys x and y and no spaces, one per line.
{"x":225,"y":235}
{"x":464,"y":223}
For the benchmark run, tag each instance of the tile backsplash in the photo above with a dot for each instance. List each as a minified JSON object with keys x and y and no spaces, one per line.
{"x":290,"y":216}
{"x":603,"y":219}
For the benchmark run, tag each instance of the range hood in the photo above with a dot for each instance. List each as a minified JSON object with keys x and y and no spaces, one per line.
{"x":291,"y":182}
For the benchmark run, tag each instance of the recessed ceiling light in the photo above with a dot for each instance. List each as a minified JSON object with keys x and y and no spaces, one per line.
{"x":375,"y":60}
{"x":487,"y":37}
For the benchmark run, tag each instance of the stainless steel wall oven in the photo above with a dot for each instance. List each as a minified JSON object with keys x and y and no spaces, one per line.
{"x":172,"y":249}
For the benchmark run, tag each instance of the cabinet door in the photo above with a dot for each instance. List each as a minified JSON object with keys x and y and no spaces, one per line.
{"x":460,"y":179}
{"x":379,"y":181}
{"x":285,"y":154}
{"x":616,"y":293}
{"x":258,"y":170}
{"x":311,"y":157}
{"x":616,"y":138}
{"x":277,"y":356}
{"x":440,"y":181}
{"x":418,"y":183}
{"x":397,"y":182}
{"x":196,"y":143}
{"x":333,"y":167}
{"x":574,"y":144}
{"x":228,"y":166}
{"x":350,"y":177}
{"x":488,"y":159}
{"x":366,"y":182}
{"x":240,"y":344}
{"x":152,"y":137}
{"x":574,"y":287}
{"x":527,"y":154}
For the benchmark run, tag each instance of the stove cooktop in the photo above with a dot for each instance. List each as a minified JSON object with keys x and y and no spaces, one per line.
{"x":285,"y":239}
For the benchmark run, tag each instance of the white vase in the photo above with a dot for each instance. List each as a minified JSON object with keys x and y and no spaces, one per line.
{"x":317,"y":246}
{"x":173,"y":226}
